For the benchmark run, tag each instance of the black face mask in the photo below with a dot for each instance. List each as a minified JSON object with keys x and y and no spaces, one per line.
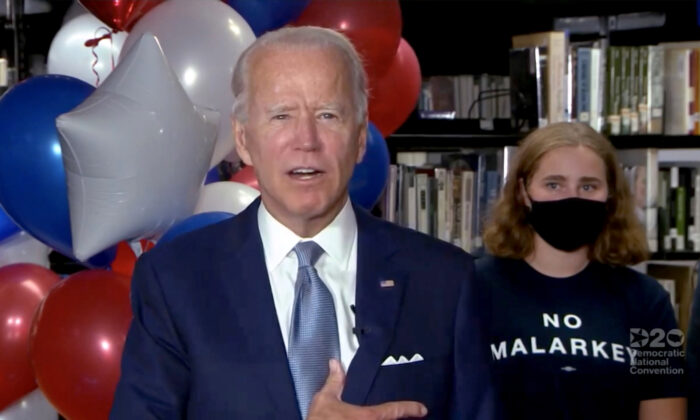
{"x":570,"y":223}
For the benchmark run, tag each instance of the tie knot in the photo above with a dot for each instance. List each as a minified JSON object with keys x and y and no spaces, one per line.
{"x":308,"y":253}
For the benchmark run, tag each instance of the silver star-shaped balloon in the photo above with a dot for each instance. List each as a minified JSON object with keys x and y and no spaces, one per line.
{"x":135,"y":153}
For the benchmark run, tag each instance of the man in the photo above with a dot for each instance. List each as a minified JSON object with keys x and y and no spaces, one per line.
{"x":260,"y":316}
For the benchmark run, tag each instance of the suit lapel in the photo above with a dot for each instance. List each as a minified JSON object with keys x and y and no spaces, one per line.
{"x":244,"y":275}
{"x":378,"y":297}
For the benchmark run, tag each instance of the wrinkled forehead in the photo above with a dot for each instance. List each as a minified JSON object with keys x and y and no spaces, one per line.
{"x":313,"y":73}
{"x":285,"y":58}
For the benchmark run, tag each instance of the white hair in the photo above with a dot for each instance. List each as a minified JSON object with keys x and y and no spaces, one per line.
{"x":300,"y":37}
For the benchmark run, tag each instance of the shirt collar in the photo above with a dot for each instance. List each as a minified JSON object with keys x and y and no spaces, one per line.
{"x":336,"y":239}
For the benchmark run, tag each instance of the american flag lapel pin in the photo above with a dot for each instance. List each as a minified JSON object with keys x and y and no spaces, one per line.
{"x":386,"y":283}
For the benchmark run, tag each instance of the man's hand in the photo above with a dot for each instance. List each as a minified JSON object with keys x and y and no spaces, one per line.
{"x":328,"y":405}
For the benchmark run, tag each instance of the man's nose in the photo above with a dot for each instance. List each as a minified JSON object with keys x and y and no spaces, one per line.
{"x":307,"y":133}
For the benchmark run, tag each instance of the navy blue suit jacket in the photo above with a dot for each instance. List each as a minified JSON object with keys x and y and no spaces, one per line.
{"x":205,"y":341}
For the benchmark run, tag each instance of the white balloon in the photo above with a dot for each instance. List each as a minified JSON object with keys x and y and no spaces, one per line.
{"x":135,"y":153}
{"x":23,"y":248}
{"x":228,"y":196}
{"x":32,"y":406}
{"x":68,"y":54}
{"x":202,"y":41}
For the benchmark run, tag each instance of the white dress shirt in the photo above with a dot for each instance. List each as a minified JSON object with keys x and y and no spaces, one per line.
{"x":337,"y":267}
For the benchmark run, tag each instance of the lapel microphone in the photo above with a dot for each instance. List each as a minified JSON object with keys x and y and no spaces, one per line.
{"x":357,"y":330}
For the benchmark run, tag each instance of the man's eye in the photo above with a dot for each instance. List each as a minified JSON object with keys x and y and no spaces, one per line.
{"x":327,"y":115}
{"x":280,"y":116}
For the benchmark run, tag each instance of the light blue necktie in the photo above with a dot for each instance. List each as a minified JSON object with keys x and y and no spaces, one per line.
{"x":313,"y":338}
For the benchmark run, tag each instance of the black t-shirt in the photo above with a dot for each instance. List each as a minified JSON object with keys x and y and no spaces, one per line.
{"x":562,"y":347}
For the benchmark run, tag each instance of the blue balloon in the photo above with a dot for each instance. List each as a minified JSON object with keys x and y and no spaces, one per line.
{"x":7,"y":226}
{"x":369,"y":176}
{"x":194,"y":222}
{"x":265,"y":15}
{"x":212,"y":175}
{"x":33,"y":188}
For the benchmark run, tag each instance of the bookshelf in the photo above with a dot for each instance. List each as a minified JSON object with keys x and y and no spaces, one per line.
{"x":419,"y":133}
{"x":481,"y":31}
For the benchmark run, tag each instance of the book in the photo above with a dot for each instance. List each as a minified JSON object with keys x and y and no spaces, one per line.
{"x":656,"y":79}
{"x":634,"y":89}
{"x":525,"y":88}
{"x":409,"y":198}
{"x":625,"y":89}
{"x":466,"y":233}
{"x":390,"y":195}
{"x":583,"y":85}
{"x":555,"y":42}
{"x":423,"y":195}
{"x":677,"y":120}
{"x":614,"y":92}
{"x":441,"y":181}
{"x":587,"y":86}
{"x":441,"y":97}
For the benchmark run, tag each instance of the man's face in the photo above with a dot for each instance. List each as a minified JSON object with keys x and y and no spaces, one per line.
{"x":302,"y":134}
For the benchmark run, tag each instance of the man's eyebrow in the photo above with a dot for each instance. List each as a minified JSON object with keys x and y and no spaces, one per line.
{"x":331,"y":105}
{"x":279,"y":108}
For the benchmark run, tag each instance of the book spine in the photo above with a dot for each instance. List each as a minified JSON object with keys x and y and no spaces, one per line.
{"x":613,"y":91}
{"x":643,"y":104}
{"x":625,"y":94}
{"x":423,"y":224}
{"x":583,"y":85}
{"x":556,"y":70}
{"x":442,"y":204}
{"x":467,"y":210}
{"x":656,"y":74}
{"x":634,"y":90}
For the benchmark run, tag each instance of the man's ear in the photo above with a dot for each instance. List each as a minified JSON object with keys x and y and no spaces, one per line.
{"x":362,"y":139}
{"x":241,"y":141}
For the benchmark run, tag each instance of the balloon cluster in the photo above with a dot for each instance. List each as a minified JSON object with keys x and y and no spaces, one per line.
{"x":117,"y":149}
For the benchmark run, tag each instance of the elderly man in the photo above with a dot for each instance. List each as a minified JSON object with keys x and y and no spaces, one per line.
{"x":260,"y":316}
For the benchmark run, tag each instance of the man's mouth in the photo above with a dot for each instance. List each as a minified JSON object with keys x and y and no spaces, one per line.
{"x":304,"y":173}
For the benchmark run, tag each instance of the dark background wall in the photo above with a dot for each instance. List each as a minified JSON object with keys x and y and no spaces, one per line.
{"x":473,"y":36}
{"x":456,"y":36}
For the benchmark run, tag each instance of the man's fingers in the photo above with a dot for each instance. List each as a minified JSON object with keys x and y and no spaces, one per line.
{"x":335,"y":380}
{"x":399,"y":409}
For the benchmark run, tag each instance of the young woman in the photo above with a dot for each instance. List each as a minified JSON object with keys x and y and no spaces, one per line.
{"x":571,"y":326}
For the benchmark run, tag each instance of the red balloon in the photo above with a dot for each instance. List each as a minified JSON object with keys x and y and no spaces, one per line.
{"x":374,"y":27}
{"x":120,"y":15}
{"x":393,"y":96}
{"x":22,"y":287}
{"x":77,"y":339}
{"x":125,"y":260}
{"x":246,"y":176}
